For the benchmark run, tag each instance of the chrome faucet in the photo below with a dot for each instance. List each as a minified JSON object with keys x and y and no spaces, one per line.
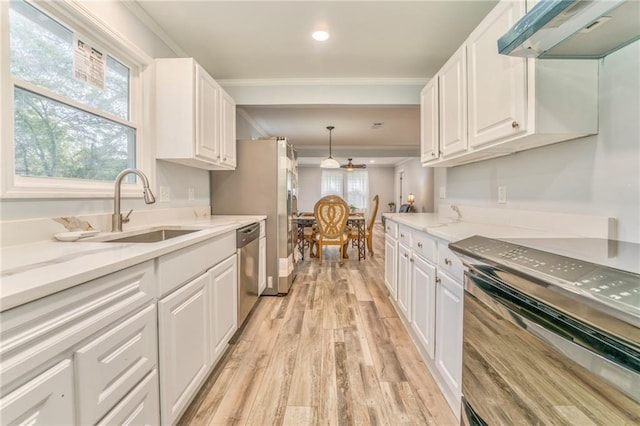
{"x":116,"y":218}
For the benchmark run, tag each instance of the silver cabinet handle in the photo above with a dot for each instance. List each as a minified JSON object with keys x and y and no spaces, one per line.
{"x":447,"y":262}
{"x":420,"y":245}
{"x":515,"y":125}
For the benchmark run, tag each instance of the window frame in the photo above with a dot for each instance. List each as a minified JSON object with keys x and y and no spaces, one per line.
{"x":78,"y":18}
{"x":345,"y":185}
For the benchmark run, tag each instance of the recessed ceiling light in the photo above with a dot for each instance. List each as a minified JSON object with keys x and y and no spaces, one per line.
{"x":320,"y":35}
{"x":372,"y":161}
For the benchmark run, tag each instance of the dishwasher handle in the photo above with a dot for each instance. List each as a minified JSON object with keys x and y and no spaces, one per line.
{"x":247,"y":234}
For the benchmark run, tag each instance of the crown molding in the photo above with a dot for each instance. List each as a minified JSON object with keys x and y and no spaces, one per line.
{"x":153,"y":26}
{"x":262,"y":82}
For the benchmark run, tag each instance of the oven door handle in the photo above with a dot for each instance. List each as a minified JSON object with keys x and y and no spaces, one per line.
{"x":586,"y":346}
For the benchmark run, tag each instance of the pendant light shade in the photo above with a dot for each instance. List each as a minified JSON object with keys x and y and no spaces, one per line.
{"x":330,"y":162}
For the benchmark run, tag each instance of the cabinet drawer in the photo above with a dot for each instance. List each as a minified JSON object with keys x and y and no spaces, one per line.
{"x":391,"y":229}
{"x":450,"y":263}
{"x":424,"y":246}
{"x":110,"y":366}
{"x":404,"y":235}
{"x":34,"y":333}
{"x":140,"y":407}
{"x":45,"y":400}
{"x":175,"y":269}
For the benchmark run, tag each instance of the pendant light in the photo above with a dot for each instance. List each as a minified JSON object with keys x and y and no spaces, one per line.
{"x":329,"y":163}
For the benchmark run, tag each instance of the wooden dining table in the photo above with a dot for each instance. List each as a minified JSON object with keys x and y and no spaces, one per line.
{"x":356,"y":221}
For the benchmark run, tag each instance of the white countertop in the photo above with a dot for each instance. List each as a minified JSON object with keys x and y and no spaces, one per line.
{"x":453,"y":230}
{"x":32,"y":271}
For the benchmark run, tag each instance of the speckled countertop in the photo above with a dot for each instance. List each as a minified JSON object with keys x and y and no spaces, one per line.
{"x":35,"y":270}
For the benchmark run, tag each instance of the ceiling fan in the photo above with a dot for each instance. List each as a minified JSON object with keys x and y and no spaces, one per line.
{"x":350,"y":166}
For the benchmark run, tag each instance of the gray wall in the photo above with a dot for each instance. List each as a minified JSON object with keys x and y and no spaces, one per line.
{"x":419,"y":181}
{"x":380,"y":183}
{"x":595,"y":175}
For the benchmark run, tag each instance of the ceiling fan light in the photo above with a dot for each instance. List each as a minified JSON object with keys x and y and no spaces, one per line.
{"x":329,"y":163}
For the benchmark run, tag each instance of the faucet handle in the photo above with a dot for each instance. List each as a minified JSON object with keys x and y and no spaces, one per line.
{"x":125,"y":219}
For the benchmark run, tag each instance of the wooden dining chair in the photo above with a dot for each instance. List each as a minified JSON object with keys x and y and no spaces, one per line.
{"x":331,"y":214}
{"x":373,"y":211}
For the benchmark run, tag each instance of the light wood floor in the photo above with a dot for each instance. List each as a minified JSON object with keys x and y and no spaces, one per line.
{"x":333,"y":351}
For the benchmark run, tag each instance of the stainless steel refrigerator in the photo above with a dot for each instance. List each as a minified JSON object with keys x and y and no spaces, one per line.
{"x":265,"y":183}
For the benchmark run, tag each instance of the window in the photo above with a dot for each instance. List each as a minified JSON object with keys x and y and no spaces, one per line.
{"x":358,"y":189}
{"x":352,"y":186}
{"x":332,"y":183}
{"x":76,"y":103}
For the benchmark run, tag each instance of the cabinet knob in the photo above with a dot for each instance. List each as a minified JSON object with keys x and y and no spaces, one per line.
{"x":218,"y":157}
{"x":433,"y":154}
{"x":447,"y":262}
{"x":438,"y":280}
{"x":515,"y":125}
{"x":405,"y":255}
{"x":401,"y":235}
{"x":411,"y":260}
{"x":224,"y":159}
{"x":420,"y":245}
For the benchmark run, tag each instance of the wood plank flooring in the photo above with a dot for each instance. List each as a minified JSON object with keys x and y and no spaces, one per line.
{"x":331,"y":352}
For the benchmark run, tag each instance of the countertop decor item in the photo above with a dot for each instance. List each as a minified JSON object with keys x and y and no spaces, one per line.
{"x":392,"y":206}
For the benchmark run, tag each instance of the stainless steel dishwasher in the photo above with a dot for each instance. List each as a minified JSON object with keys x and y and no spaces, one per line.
{"x":247,"y":243}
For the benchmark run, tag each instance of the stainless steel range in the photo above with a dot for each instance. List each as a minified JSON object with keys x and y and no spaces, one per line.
{"x":551,"y":331}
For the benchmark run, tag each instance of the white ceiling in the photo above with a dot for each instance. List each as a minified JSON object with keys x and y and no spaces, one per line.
{"x":241,"y":40}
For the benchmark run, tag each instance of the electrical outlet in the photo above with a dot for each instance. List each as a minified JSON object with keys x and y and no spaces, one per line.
{"x":443,"y":192}
{"x":502,"y":195}
{"x":165,"y":194}
{"x":191,"y":194}
{"x":270,"y":281}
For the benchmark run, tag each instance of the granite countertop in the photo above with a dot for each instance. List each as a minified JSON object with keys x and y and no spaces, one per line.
{"x":35,"y":270}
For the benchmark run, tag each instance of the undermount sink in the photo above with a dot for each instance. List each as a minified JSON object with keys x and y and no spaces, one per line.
{"x":148,"y":236}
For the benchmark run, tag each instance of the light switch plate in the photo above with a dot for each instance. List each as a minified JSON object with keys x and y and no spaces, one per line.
{"x":502,"y":195}
{"x":443,"y":192}
{"x":165,"y":194}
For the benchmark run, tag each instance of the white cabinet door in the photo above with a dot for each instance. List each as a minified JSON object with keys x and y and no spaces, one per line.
{"x":497,"y":83}
{"x":404,"y":281}
{"x":139,"y":407}
{"x":429,"y":121}
{"x":224,"y":305}
{"x":262,"y":267}
{"x":423,"y":298}
{"x":207,"y":116}
{"x":390,"y":262}
{"x":453,"y":104}
{"x":449,"y":306}
{"x":44,"y":400}
{"x":184,"y":346}
{"x":109,"y":366}
{"x":227,"y":130}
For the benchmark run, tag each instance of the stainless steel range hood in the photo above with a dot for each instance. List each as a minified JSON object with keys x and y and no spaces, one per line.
{"x":581,"y":29}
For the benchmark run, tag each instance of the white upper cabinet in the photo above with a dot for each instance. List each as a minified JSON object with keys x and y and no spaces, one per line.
{"x":497,"y":83}
{"x":452,"y":98}
{"x":492,"y":105}
{"x":195,"y":117}
{"x":429,"y":121}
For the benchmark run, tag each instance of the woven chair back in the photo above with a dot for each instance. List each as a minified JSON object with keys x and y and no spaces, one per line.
{"x":331,"y":214}
{"x":373,"y":210}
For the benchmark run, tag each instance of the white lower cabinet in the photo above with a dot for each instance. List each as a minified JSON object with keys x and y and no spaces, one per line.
{"x":224,"y":305}
{"x":390,"y":263}
{"x":262,"y":266}
{"x":108,"y":367}
{"x":140,"y":407}
{"x":45,"y":400}
{"x":429,"y":300}
{"x":184,"y":346}
{"x":404,"y":281}
{"x":449,"y":294}
{"x":424,"y":303}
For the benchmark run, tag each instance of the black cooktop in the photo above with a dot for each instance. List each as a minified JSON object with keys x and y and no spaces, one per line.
{"x":605,"y":270}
